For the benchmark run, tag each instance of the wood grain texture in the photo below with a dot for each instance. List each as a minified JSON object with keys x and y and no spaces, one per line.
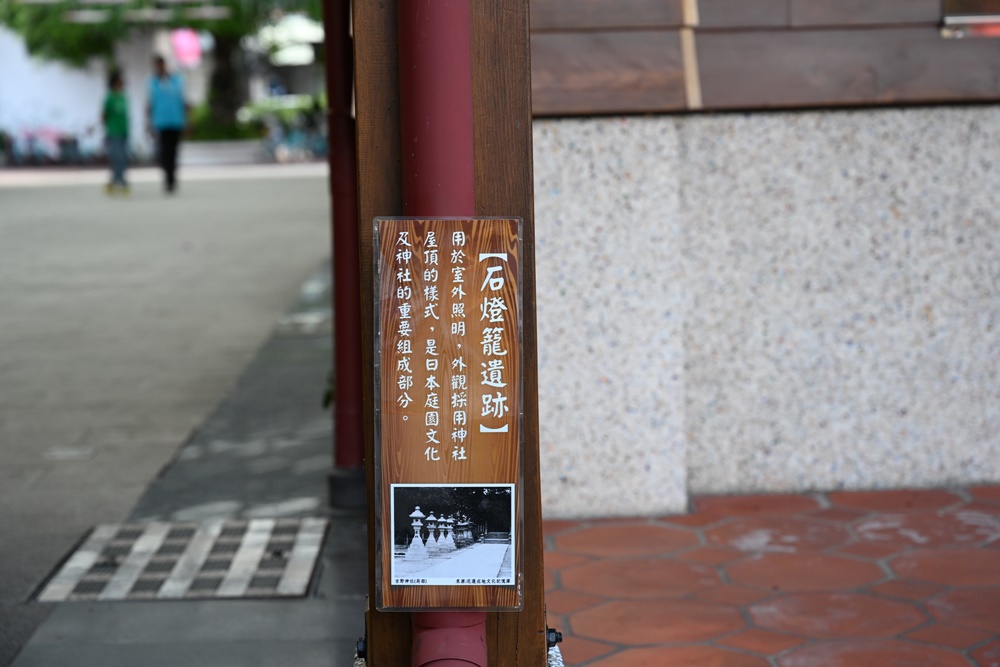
{"x":972,"y":6}
{"x":604,"y":14}
{"x":501,"y":98}
{"x":606,"y":72}
{"x":863,"y":12}
{"x":844,"y":67}
{"x":743,"y":13}
{"x":603,"y":57}
{"x":379,"y":193}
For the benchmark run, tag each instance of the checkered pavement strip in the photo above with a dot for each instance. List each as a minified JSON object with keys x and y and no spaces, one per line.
{"x":210,"y":559}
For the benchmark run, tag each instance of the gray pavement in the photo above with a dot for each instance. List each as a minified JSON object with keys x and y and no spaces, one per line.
{"x":263,"y":452}
{"x":123,"y":323}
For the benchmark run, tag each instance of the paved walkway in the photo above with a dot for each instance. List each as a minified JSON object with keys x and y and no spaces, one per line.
{"x":123,"y":322}
{"x":869,"y":579}
{"x":58,"y":176}
{"x":477,"y":561}
{"x":263,"y":452}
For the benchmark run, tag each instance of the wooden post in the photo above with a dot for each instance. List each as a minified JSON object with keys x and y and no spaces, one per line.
{"x":503,"y":176}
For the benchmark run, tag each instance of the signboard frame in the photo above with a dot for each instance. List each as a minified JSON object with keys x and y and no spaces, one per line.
{"x":465,"y":589}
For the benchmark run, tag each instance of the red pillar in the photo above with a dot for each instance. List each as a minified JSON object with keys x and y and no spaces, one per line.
{"x":435,"y":90}
{"x":347,"y":399}
{"x":435,"y":81}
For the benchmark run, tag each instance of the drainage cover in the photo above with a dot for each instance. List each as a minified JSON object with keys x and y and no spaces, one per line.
{"x":211,"y":559}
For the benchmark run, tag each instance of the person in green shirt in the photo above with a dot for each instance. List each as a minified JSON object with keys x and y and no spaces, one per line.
{"x":115,"y":116}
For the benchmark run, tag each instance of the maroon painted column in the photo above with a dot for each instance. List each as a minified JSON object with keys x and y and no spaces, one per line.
{"x":435,"y":86}
{"x":346,"y":480}
{"x":435,"y":90}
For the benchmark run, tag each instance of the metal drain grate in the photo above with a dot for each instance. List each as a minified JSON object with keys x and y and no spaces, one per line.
{"x":212,"y":559}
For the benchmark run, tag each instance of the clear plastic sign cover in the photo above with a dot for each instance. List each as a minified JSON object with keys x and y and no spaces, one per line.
{"x":448,"y":398}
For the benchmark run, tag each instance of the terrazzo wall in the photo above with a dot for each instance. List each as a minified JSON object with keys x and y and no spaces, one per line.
{"x":609,"y":285}
{"x":766,"y":302}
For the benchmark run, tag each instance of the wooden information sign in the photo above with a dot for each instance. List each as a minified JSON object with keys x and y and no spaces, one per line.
{"x":448,"y":396}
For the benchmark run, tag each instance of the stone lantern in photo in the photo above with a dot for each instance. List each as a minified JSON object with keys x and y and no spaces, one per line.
{"x":416,"y":550}
{"x":448,"y":536}
{"x":463,"y":537}
{"x":432,"y":540}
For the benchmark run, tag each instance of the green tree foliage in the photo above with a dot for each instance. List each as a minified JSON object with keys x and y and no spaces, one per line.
{"x":48,"y":35}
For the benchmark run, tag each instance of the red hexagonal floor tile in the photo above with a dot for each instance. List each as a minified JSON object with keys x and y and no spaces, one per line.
{"x":644,"y":622}
{"x":989,"y":507}
{"x":988,"y":655}
{"x":987,"y":493}
{"x":645,"y":578}
{"x":558,"y":560}
{"x":681,"y":656}
{"x":709,"y":555}
{"x":894,"y":501}
{"x":836,"y":615}
{"x":692,"y":520}
{"x":929,"y":529}
{"x":951,"y":567}
{"x":971,"y":607}
{"x":566,"y":602}
{"x":907,"y":590}
{"x":618,"y":539}
{"x":736,"y":596}
{"x":755,"y":504}
{"x":837,"y":514}
{"x":949,"y":636}
{"x":871,"y":653}
{"x":776,"y":533}
{"x":760,"y":641}
{"x":803,"y":572}
{"x":554,"y":526}
{"x":871,"y":550}
{"x":577,"y":650}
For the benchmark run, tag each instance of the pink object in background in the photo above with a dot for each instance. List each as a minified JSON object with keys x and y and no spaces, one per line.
{"x":187,"y":47}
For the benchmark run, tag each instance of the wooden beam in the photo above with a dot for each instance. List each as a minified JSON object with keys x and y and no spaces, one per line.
{"x":607,"y":72}
{"x":810,"y":68}
{"x":604,"y":14}
{"x":376,"y":81}
{"x":742,"y":14}
{"x":864,"y":12}
{"x":501,"y":109}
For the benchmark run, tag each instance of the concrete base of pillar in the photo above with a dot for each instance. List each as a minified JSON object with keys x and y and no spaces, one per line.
{"x":346,"y":488}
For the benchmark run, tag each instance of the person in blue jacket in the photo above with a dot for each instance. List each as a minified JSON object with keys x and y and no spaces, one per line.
{"x":167,"y":113}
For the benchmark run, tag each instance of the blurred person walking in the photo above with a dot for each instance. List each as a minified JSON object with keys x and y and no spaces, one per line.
{"x":115,"y":117}
{"x":167,"y":113}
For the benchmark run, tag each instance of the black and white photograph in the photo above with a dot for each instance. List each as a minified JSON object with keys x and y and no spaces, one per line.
{"x":453,"y":535}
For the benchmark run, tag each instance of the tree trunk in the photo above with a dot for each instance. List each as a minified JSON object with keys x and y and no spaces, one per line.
{"x":226,"y":92}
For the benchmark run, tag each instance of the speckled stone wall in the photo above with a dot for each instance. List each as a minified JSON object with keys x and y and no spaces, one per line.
{"x":766,"y":302}
{"x":842,"y":298}
{"x":610,"y":376}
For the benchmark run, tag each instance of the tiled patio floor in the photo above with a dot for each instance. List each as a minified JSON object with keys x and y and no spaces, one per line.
{"x":845,"y":579}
